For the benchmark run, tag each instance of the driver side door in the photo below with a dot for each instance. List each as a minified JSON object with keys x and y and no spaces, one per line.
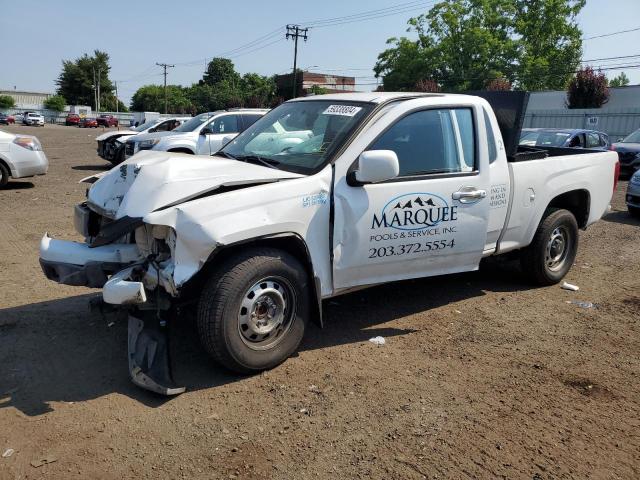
{"x":222,"y":126}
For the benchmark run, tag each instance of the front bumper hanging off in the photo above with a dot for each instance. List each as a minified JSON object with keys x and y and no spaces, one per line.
{"x":111,"y":267}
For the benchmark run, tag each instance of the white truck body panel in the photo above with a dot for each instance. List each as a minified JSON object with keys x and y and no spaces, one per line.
{"x":214,"y":202}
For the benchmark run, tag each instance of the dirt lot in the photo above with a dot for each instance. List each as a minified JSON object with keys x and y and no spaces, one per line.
{"x":481,"y":377}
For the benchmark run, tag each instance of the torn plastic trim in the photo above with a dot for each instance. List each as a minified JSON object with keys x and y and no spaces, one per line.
{"x":115,"y":230}
{"x":119,"y":290}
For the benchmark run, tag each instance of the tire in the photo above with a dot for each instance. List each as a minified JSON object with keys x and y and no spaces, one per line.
{"x":4,"y":175}
{"x":553,"y":249}
{"x":254,"y":281}
{"x":634,"y":211}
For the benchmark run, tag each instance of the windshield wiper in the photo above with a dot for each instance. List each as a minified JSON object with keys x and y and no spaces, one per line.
{"x":257,"y":159}
{"x":225,"y":154}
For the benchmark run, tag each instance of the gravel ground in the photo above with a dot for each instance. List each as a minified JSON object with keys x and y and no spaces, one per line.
{"x":482,"y":376}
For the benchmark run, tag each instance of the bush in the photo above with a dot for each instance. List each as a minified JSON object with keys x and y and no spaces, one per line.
{"x":427,"y":85}
{"x":7,"y":102}
{"x":588,"y":89}
{"x":56,"y":103}
{"x":498,"y":85}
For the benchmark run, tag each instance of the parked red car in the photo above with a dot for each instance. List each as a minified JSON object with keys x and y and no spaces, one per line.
{"x":72,"y":119}
{"x":6,"y":119}
{"x":107,"y":121}
{"x":88,"y":123}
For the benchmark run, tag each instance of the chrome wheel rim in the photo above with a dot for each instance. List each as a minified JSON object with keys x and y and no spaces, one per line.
{"x":266,"y":313}
{"x":557,"y":249}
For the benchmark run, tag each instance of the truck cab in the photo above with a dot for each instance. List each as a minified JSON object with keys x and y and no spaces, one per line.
{"x":321,"y":196}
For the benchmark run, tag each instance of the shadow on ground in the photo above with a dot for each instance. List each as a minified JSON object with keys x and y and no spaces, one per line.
{"x":13,"y":185}
{"x":102,"y":166}
{"x":622,"y":217}
{"x":57,"y":351}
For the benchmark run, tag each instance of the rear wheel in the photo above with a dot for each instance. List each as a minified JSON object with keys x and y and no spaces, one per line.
{"x":553,"y":250}
{"x":634,"y":211}
{"x":4,"y":175}
{"x":253,"y":311}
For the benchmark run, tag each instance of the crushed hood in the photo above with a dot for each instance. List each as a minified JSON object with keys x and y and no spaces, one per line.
{"x":150,"y":136}
{"x":152,"y":180}
{"x":115,"y":133}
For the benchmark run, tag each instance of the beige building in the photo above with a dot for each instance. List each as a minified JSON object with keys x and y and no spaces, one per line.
{"x":27,"y":100}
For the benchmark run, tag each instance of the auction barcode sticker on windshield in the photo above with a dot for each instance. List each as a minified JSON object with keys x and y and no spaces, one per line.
{"x":344,"y":110}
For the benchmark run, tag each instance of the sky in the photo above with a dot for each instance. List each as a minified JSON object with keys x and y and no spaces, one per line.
{"x":36,"y":35}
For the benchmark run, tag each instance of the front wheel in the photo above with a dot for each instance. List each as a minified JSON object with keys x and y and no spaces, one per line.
{"x":634,"y":211}
{"x":553,"y":250}
{"x":253,"y":310}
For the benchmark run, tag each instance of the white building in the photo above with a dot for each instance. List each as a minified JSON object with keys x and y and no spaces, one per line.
{"x":620,"y":97}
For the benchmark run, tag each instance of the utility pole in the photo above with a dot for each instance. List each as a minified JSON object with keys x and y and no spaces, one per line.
{"x":95,"y":96}
{"x":98,"y":90}
{"x":295,"y":32}
{"x":165,"y":66}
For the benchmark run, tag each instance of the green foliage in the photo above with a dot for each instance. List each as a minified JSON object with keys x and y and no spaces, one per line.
{"x":466,"y":44}
{"x":551,"y":43}
{"x":588,"y":89}
{"x":221,"y":87}
{"x":150,"y":98}
{"x":620,"y":81}
{"x":56,"y":103}
{"x":317,"y":90}
{"x":76,"y":81}
{"x":7,"y":102}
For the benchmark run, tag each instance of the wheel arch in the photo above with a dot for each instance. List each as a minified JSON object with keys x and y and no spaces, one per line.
{"x":289,"y":242}
{"x":578,"y":202}
{"x":4,"y":161}
{"x":181,"y":150}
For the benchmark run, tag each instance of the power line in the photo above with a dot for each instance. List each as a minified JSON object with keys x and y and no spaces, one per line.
{"x":370,"y":14}
{"x":611,"y":34}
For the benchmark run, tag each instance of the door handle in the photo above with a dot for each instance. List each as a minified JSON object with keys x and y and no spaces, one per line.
{"x":469,"y":195}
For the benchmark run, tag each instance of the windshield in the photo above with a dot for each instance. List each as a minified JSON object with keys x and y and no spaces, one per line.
{"x":544,"y":139}
{"x":145,"y":125}
{"x":633,"y":138}
{"x":195,"y":122}
{"x":299,"y":136}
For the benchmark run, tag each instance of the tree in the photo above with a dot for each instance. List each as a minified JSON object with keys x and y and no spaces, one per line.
{"x":76,"y":81}
{"x":550,"y":44}
{"x":56,"y":103}
{"x":7,"y":101}
{"x":150,"y":98}
{"x":460,"y":44}
{"x":588,"y":89}
{"x":220,"y":70}
{"x":620,"y":81}
{"x":465,"y":44}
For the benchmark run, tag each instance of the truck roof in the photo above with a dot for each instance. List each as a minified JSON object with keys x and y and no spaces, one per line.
{"x":371,"y":97}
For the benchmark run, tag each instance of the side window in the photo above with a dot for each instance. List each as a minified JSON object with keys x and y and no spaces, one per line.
{"x":164,"y":126}
{"x":248,"y":120}
{"x":491,"y":138}
{"x":432,"y":141}
{"x":226,"y":124}
{"x":604,"y":140}
{"x":593,"y":140}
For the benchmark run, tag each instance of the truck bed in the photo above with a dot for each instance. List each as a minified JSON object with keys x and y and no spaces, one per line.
{"x":536,"y":182}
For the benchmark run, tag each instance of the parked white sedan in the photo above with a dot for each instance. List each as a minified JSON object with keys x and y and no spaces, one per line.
{"x":20,"y":156}
{"x":34,"y":119}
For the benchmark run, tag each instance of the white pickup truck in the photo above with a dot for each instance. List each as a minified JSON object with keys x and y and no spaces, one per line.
{"x":358,"y":190}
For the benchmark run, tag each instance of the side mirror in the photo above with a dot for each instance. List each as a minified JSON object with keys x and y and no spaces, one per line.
{"x":375,"y":166}
{"x":205,"y":131}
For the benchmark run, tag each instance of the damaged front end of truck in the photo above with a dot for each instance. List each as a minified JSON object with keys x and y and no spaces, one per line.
{"x":141,"y":249}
